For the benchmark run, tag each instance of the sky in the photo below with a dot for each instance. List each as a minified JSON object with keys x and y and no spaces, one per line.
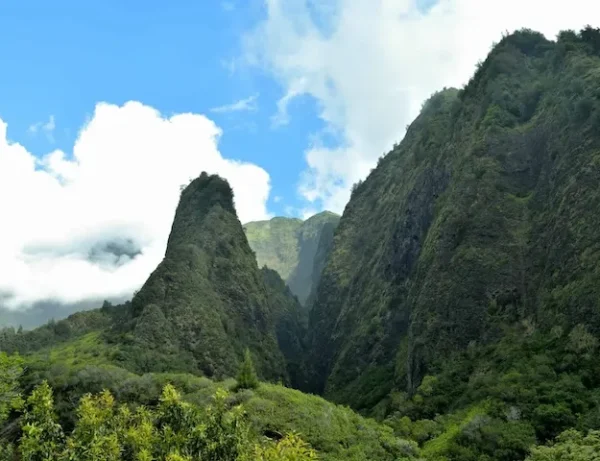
{"x":108,"y":108}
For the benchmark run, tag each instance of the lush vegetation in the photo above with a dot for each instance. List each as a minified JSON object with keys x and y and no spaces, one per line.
{"x":291,"y":247}
{"x":173,"y":430}
{"x":570,"y":446}
{"x":102,"y":410}
{"x":461,"y":298}
{"x":275,"y":243}
{"x":457,"y":303}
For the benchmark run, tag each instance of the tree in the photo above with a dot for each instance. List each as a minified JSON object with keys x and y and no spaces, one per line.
{"x":95,"y":437}
{"x":246,"y":378}
{"x":571,"y":445}
{"x":174,"y":430}
{"x":289,"y":448}
{"x":43,"y":438}
{"x":11,"y":367}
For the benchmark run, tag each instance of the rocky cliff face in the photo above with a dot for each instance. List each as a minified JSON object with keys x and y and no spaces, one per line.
{"x":306,"y":274}
{"x":484,"y":217}
{"x":289,"y":246}
{"x":207,"y":300}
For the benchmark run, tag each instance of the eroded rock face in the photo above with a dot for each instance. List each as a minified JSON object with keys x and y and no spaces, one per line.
{"x":207,"y":300}
{"x":488,"y":199}
{"x":293,"y":248}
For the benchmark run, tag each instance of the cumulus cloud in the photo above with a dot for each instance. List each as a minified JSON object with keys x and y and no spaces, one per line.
{"x":94,"y":224}
{"x":247,"y":104}
{"x":371,"y":63}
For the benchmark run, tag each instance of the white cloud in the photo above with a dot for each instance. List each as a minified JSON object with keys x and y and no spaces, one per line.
{"x":46,"y":127}
{"x":247,"y":104}
{"x":61,"y":214}
{"x":370,"y":64}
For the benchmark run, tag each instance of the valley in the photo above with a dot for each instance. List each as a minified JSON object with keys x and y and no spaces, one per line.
{"x":452,"y":313}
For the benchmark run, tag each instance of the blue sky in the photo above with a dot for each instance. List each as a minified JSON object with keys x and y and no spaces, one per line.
{"x":61,"y":58}
{"x":293,"y":101}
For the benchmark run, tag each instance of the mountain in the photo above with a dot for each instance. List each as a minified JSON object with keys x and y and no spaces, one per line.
{"x":465,"y":271}
{"x":204,"y":304}
{"x":207,"y":300}
{"x":289,"y":246}
{"x":275,"y":243}
{"x":457,"y":301}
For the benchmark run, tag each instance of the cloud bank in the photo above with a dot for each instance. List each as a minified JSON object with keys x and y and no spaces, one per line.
{"x":370,"y":64}
{"x":94,"y":224}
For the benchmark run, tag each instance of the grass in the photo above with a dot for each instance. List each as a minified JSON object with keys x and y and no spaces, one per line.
{"x":88,"y":349}
{"x":440,"y":444}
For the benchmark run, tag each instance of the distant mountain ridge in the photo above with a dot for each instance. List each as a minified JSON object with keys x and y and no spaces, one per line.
{"x":290,"y":247}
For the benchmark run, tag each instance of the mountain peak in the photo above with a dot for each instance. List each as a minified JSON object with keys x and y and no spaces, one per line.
{"x":205,"y":195}
{"x":208,"y":292}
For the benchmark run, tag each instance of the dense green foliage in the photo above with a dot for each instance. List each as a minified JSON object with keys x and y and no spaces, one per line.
{"x":11,"y":367}
{"x":461,"y":298}
{"x":570,"y":446}
{"x":53,"y":333}
{"x":457,"y":302}
{"x":291,"y":247}
{"x":206,"y":301}
{"x":61,"y":395}
{"x":172,"y":430}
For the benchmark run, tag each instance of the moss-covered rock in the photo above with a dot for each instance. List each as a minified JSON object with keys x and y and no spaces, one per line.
{"x":484,"y":217}
{"x":293,"y":248}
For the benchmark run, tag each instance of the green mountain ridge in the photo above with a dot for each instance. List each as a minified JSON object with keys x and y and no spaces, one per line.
{"x":289,"y":246}
{"x":204,"y":304}
{"x":207,"y":300}
{"x":466,"y":267}
{"x":456,"y":305}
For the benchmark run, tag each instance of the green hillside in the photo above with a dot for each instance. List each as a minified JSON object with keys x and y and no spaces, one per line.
{"x":85,"y":364}
{"x":466,"y":268}
{"x":453,"y":313}
{"x":275,"y":243}
{"x":289,"y":246}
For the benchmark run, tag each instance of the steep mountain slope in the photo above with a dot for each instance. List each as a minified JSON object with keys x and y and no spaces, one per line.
{"x":321,"y":254}
{"x":304,"y":277}
{"x":289,"y":246}
{"x":275,"y":243}
{"x":476,"y":239}
{"x":203,"y":305}
{"x":290,"y":329}
{"x":207,"y":300}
